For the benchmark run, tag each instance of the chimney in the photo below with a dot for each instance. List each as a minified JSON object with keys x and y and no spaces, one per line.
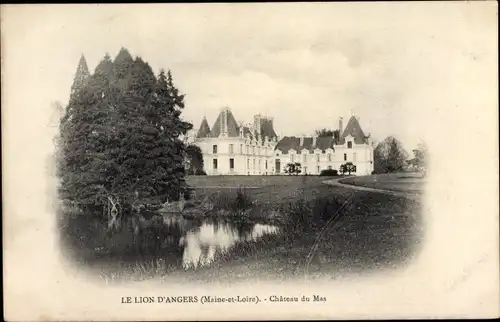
{"x":301,"y":141}
{"x":257,"y":123}
{"x":314,"y":141}
{"x":341,"y":126}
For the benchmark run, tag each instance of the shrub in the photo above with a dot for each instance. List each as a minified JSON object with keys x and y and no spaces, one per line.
{"x":227,"y":201}
{"x":199,"y":172}
{"x":243,"y":200}
{"x":329,"y":173}
{"x":302,"y":216}
{"x":296,"y":219}
{"x":293,"y":168}
{"x":348,"y":167}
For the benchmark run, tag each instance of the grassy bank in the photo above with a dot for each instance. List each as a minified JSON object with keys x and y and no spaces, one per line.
{"x":370,"y":231}
{"x":369,"y":234}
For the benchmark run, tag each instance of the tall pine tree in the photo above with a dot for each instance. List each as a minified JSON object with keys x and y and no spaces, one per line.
{"x":81,"y":76}
{"x":134,"y":134}
{"x":168,"y":105}
{"x":85,"y":143}
{"x":121,"y":143}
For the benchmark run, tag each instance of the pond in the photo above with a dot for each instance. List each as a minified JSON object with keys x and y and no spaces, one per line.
{"x":179,"y":243}
{"x":202,"y":241}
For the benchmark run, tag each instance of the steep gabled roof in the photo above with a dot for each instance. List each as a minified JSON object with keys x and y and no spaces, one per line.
{"x":324,"y":143}
{"x":287,"y":143}
{"x":204,"y":130}
{"x":232,"y":125}
{"x":246,"y":130}
{"x":266,"y":129}
{"x":291,"y":142}
{"x":354,"y":129}
{"x":306,"y":144}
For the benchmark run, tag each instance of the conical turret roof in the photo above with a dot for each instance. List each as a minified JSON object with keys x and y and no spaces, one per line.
{"x":354,"y":129}
{"x":204,"y":130}
{"x":232,"y":125}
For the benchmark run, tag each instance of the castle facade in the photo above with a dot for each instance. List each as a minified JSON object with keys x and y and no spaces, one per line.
{"x":230,"y":148}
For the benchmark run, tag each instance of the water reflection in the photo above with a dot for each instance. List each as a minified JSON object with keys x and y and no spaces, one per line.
{"x":202,"y":241}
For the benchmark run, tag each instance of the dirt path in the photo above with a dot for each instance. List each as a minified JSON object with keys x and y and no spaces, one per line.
{"x":409,"y":195}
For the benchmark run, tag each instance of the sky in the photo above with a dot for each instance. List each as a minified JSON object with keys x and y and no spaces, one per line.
{"x":395,"y":66}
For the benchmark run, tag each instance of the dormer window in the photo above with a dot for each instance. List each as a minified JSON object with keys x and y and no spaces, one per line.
{"x":349,"y":145}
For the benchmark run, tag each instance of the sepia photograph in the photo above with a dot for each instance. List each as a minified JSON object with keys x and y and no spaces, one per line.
{"x":188,"y":161}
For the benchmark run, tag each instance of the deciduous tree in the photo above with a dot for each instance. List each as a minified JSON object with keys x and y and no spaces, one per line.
{"x":389,"y":156}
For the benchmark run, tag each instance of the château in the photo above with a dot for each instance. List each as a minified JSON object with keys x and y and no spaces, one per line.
{"x":230,"y":148}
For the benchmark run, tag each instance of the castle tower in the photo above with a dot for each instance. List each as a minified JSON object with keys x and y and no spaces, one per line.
{"x":81,"y":76}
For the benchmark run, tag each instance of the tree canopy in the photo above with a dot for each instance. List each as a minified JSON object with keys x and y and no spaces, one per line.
{"x":119,"y":138}
{"x":328,"y":133}
{"x":389,"y":156}
{"x":421,"y":158}
{"x":194,"y":159}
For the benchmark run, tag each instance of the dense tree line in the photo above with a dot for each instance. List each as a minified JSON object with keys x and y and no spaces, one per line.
{"x":119,"y":144}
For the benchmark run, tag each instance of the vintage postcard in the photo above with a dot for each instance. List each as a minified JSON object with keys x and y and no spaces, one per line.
{"x":169,"y":162}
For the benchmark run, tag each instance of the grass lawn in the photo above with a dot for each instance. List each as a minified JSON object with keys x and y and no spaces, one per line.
{"x":405,"y":182}
{"x":265,"y":189}
{"x":372,"y":231}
